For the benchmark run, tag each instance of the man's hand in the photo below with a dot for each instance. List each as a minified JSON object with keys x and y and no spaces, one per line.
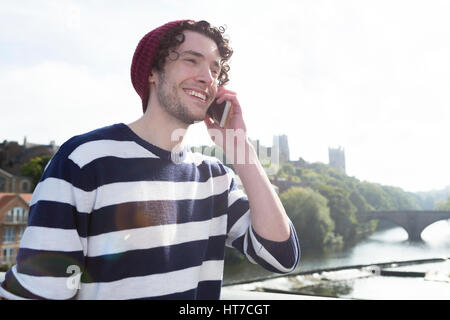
{"x":233,"y":137}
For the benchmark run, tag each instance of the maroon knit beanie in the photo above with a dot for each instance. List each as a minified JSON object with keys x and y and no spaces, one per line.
{"x":143,"y":60}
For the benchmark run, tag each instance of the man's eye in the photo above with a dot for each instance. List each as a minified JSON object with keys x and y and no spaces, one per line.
{"x":191,"y":60}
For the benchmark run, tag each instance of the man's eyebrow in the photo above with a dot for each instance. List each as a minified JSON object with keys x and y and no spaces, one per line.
{"x":200,"y":55}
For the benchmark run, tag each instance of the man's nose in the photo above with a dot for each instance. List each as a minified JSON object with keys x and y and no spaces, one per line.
{"x":205,"y":75}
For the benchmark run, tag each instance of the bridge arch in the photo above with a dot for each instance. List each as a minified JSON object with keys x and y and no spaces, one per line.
{"x":413,"y":221}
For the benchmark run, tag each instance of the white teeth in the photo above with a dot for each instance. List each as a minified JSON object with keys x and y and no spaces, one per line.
{"x":196,"y":94}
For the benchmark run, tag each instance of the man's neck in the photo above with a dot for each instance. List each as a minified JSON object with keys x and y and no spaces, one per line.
{"x":160,"y":129}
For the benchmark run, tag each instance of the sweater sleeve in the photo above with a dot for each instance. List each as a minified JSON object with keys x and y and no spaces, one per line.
{"x":51,"y":254}
{"x":278,"y":257}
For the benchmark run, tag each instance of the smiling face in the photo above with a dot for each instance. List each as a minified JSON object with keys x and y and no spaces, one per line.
{"x":188,"y":84}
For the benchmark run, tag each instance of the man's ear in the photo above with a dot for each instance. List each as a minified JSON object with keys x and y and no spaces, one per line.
{"x":152,"y":77}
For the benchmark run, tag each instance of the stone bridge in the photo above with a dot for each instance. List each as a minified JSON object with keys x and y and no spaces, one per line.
{"x":413,"y":221}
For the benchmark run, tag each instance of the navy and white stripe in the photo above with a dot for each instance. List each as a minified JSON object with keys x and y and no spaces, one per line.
{"x":135,"y":224}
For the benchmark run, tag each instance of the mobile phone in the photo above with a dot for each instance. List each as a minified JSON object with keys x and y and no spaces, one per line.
{"x":220,"y":112}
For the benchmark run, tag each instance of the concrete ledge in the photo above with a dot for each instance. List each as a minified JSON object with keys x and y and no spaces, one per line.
{"x":235,"y":294}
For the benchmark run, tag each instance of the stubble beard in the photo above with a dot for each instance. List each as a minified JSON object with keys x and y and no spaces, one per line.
{"x":170,"y":101}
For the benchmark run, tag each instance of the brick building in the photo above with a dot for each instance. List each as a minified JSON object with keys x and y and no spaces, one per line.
{"x":14,"y":209}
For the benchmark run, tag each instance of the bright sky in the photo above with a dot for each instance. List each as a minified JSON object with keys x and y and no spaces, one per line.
{"x":370,"y":76}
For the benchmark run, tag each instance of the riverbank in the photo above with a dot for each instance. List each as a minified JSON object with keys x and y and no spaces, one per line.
{"x":413,"y":279}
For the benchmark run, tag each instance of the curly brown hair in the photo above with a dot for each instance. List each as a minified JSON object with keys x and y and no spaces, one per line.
{"x":175,"y":37}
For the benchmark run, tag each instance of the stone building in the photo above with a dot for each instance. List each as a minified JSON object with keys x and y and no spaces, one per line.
{"x":337,"y":158}
{"x":16,"y":184}
{"x":282,"y":184}
{"x":280,"y":145}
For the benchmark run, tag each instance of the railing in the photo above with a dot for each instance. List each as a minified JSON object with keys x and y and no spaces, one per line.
{"x":15,"y":220}
{"x":16,"y":216}
{"x":10,"y":223}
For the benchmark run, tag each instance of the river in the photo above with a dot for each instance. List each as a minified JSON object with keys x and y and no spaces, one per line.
{"x":389,"y":245}
{"x":385,"y":246}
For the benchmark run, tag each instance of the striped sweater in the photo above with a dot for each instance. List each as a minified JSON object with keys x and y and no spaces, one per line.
{"x":115,"y":217}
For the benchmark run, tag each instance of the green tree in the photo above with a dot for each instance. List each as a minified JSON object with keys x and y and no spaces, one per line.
{"x":375,"y":196}
{"x":360,"y":202}
{"x":364,"y":228}
{"x":342,"y":211}
{"x":311,"y":178}
{"x":443,"y":205}
{"x":310,"y":215}
{"x":286,"y":170}
{"x":400,"y":199}
{"x":34,"y":168}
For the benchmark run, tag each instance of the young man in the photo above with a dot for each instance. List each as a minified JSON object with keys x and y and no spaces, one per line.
{"x":129,"y":212}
